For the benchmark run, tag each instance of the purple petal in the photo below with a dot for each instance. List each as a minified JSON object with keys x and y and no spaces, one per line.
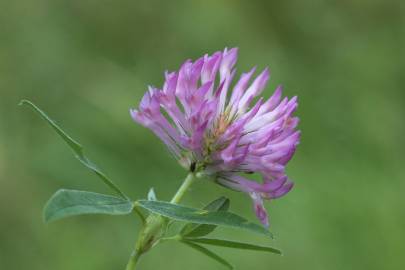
{"x":272,"y":102}
{"x":240,"y":88}
{"x":259,"y":209}
{"x":281,"y":191}
{"x":227,"y":153}
{"x":272,"y":185}
{"x":210,"y":67}
{"x":255,"y":89}
{"x":229,"y":59}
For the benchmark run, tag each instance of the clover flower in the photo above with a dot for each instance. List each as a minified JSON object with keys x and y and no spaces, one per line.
{"x":213,"y":127}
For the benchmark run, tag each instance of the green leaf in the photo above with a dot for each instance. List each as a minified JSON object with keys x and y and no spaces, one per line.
{"x":233,"y":244}
{"x":208,"y":253}
{"x":65,"y":203}
{"x":183,"y":213}
{"x":76,"y":147}
{"x":152,"y":195}
{"x":198,"y":230}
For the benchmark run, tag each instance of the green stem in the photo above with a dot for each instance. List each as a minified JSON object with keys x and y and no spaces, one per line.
{"x":152,"y":229}
{"x":133,"y":260}
{"x":141,"y":216}
{"x":183,"y":188}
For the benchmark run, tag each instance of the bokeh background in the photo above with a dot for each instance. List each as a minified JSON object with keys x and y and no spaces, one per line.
{"x":87,"y":62}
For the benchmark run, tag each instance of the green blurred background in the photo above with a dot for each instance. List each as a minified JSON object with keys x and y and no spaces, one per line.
{"x":87,"y":62}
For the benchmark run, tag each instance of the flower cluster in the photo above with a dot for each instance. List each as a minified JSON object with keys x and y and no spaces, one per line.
{"x":211,"y":126}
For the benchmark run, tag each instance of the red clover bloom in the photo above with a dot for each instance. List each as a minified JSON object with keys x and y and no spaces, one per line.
{"x":212,"y":127}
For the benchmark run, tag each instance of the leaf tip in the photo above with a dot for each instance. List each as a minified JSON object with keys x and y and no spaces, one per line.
{"x":46,"y":217}
{"x":24,"y":102}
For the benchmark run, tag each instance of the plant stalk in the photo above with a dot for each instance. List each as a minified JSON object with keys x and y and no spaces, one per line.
{"x":183,"y":188}
{"x":133,"y":260}
{"x":154,"y":225}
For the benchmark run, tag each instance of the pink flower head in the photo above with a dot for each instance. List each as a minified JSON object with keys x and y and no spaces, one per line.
{"x":213,"y":126}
